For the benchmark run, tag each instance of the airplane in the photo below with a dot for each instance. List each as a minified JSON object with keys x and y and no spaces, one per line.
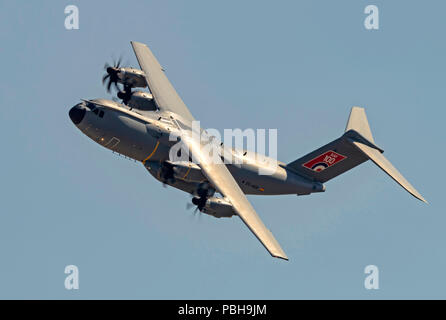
{"x":142,"y":125}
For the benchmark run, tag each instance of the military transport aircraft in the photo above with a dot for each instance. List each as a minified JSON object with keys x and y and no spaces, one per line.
{"x":142,"y":125}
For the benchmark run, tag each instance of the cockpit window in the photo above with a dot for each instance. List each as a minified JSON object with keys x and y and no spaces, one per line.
{"x":95,"y":110}
{"x":91,"y":106}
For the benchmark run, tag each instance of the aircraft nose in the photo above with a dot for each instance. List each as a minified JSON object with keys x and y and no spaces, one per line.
{"x":76,"y":114}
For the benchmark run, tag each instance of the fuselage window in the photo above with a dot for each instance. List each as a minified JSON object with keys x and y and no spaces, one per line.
{"x":101,"y":114}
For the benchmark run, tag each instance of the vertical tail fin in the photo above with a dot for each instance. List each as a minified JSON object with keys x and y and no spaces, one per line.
{"x":358,"y":122}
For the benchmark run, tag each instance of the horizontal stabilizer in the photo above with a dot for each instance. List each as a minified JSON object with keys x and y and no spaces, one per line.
{"x":382,"y":162}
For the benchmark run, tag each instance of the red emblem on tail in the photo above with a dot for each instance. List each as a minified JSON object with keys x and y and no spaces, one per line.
{"x":324,"y":161}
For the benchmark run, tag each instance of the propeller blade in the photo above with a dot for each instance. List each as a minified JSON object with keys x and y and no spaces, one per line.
{"x":109,"y":85}
{"x":105,"y":77}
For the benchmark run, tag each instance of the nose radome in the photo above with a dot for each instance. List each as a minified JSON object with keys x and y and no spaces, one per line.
{"x":76,"y":114}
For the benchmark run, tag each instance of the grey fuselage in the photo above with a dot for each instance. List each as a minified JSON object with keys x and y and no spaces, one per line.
{"x":144,"y":137}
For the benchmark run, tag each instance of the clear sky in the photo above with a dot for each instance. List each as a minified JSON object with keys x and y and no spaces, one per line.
{"x":298,"y":66}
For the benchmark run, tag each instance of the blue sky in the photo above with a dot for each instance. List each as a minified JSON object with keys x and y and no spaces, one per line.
{"x":298,"y":66}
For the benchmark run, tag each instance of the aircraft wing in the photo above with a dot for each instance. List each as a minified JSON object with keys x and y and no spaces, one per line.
{"x":224,"y":182}
{"x":165,"y":96}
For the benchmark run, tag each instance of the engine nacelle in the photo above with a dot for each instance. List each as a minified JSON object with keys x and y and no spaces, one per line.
{"x":133,"y":77}
{"x":218,"y":207}
{"x":142,"y":101}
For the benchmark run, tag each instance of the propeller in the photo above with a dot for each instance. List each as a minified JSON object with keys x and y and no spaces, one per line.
{"x":200,"y":202}
{"x":197,"y":209}
{"x":190,"y":205}
{"x":202,"y":194}
{"x":112,"y":74}
{"x":167,"y":174}
{"x":126,"y":94}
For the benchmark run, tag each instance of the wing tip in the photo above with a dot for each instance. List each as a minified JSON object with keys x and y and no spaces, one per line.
{"x":133,"y":43}
{"x":420,"y":197}
{"x":281,"y":257}
{"x":414,"y":192}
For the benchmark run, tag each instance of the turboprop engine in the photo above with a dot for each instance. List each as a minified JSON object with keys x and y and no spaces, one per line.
{"x":131,"y":77}
{"x":142,"y":101}
{"x":216,"y":207}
